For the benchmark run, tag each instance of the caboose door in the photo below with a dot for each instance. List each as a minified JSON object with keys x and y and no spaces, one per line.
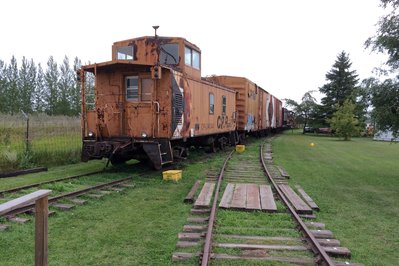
{"x":139,"y":110}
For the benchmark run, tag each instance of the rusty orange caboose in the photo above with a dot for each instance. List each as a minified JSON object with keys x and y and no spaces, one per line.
{"x":152,"y":104}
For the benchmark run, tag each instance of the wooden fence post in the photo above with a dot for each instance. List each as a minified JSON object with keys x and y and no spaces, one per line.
{"x":41,"y":231}
{"x":41,"y":224}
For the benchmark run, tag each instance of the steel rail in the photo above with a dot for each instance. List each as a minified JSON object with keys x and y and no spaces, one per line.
{"x":67,"y":195}
{"x":323,"y":259}
{"x":208,"y":239}
{"x":48,"y":182}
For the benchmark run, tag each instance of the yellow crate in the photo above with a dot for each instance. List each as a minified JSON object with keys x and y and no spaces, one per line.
{"x":174,"y":175}
{"x":240,"y":148}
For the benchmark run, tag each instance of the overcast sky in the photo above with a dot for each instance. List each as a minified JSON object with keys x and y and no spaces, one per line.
{"x":286,"y":47}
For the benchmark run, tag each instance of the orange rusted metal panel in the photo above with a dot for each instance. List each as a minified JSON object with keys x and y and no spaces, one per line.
{"x":247,"y":101}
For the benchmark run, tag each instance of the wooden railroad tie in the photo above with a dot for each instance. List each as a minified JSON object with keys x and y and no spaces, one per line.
{"x":205,"y":196}
{"x":190,"y":196}
{"x":299,"y":205}
{"x":307,"y":198}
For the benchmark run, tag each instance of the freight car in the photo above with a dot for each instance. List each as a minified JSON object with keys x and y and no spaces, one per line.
{"x":151,"y":104}
{"x":259,"y":112}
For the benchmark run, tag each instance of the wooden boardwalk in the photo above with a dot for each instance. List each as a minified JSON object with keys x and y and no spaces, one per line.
{"x":248,"y":197}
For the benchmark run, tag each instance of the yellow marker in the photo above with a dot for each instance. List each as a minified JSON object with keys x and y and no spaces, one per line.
{"x":311,"y":144}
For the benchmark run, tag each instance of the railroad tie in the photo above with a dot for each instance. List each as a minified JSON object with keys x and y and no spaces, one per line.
{"x":78,"y":201}
{"x":315,"y":225}
{"x":299,"y":205}
{"x":307,"y":198}
{"x":3,"y":227}
{"x":205,"y":196}
{"x":16,"y":219}
{"x":63,"y":207}
{"x":338,"y":251}
{"x":190,"y":196}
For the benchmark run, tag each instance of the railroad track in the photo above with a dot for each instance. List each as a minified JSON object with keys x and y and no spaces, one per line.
{"x":249,"y":213}
{"x":17,"y":189}
{"x":71,"y":195}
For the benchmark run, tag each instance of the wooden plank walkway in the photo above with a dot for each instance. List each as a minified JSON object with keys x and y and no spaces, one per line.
{"x":299,"y":205}
{"x":248,"y":197}
{"x":205,"y":196}
{"x":239,"y":197}
{"x":267,"y":199}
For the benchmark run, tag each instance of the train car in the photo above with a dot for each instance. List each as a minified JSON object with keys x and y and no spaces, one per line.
{"x":259,"y":112}
{"x":151,"y":103}
{"x":278,"y":109}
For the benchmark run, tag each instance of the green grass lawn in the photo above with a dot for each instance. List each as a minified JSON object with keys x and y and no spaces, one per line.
{"x":138,"y":226}
{"x":356,"y":185}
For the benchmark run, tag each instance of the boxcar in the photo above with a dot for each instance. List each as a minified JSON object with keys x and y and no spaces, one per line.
{"x":259,"y":112}
{"x":151,"y":103}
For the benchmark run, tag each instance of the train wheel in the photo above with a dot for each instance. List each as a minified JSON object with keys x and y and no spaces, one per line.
{"x":117,"y":160}
{"x":212,"y":147}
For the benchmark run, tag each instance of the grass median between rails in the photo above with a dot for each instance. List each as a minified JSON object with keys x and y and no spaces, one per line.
{"x":356,"y":185}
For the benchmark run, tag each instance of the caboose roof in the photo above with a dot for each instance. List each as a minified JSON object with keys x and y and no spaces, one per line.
{"x":161,"y":38}
{"x":109,"y":65}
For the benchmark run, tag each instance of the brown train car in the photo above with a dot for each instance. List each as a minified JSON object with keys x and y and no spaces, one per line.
{"x":151,"y":103}
{"x":279,"y":113}
{"x":255,"y":106}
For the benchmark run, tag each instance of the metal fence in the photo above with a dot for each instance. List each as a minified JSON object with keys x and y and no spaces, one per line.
{"x":38,"y":140}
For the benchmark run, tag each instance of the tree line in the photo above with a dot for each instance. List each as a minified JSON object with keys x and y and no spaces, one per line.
{"x":347,"y":103}
{"x":29,"y":88}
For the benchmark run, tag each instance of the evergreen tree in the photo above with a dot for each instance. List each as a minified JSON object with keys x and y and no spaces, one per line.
{"x":75,"y":93}
{"x":3,"y":87}
{"x":65,"y":85}
{"x":51,"y":87}
{"x":12,"y":93}
{"x":342,"y":85}
{"x":26,"y":84}
{"x":344,"y":121}
{"x":40,"y":95}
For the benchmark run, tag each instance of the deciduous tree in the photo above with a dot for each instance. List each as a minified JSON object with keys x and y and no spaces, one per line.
{"x":344,"y":121}
{"x":304,"y":112}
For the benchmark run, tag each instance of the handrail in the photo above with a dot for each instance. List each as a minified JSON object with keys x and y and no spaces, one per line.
{"x":16,"y":203}
{"x":40,"y":198}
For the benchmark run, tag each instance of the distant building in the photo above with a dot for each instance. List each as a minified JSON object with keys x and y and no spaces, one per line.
{"x":385,"y":136}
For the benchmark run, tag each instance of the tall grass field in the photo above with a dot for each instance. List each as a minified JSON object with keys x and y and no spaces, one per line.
{"x":51,"y":140}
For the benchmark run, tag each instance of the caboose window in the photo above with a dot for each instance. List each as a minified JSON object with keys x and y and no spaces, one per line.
{"x":187,"y":56}
{"x":196,"y":60}
{"x":124,"y":53}
{"x":211,"y":103}
{"x":169,"y":54}
{"x":224,"y":105}
{"x":132,"y":88}
{"x":191,"y":58}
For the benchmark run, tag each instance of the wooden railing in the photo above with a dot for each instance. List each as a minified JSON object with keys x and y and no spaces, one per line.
{"x":41,"y":223}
